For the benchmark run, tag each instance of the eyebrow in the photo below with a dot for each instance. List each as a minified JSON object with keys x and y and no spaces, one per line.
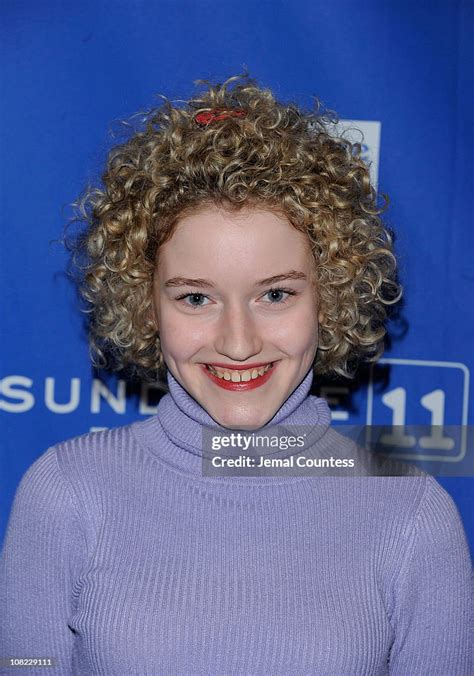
{"x":205,"y":283}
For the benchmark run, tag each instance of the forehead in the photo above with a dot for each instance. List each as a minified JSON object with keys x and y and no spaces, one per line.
{"x":251,"y":237}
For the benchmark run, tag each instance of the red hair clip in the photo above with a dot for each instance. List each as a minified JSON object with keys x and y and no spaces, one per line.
{"x":208,"y":116}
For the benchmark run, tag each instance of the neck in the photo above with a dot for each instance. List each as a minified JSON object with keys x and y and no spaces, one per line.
{"x":182,"y":430}
{"x":191,"y":408}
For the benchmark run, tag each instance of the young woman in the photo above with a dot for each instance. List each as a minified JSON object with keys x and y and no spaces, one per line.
{"x":235,"y":248}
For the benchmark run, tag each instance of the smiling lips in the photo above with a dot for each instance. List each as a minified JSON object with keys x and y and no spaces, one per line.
{"x":239,"y":378}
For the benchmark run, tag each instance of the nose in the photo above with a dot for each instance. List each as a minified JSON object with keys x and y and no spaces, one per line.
{"x":238,"y":337}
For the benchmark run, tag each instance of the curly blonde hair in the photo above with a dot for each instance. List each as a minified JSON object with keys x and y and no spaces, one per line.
{"x":277,"y":156}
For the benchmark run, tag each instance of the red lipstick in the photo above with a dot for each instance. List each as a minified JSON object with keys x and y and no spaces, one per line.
{"x":240,"y":386}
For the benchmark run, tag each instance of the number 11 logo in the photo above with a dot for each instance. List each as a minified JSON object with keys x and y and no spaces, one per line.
{"x":425,"y":409}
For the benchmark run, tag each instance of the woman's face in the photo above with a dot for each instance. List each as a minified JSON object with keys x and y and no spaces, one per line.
{"x":230,"y":318}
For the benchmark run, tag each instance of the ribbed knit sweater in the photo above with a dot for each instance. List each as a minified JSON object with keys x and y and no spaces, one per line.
{"x":121,"y":558}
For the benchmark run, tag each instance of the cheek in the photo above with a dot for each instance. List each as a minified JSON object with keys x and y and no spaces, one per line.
{"x":298,"y":340}
{"x":180,"y":337}
{"x":299,"y":335}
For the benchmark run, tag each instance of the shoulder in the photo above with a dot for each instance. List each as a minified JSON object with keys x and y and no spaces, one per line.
{"x":436,"y":523}
{"x":430,"y":593}
{"x":401,"y":503}
{"x":433,"y":544}
{"x":81,"y":466}
{"x":95,"y":454}
{"x":68,"y":481}
{"x":44,"y":512}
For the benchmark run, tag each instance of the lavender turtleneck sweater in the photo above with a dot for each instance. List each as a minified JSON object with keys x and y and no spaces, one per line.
{"x":121,"y":558}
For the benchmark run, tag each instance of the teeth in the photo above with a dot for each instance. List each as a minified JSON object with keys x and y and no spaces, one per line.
{"x":239,"y":376}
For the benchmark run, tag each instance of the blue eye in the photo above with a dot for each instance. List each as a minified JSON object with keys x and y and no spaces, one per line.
{"x":194,"y":296}
{"x":289,"y":292}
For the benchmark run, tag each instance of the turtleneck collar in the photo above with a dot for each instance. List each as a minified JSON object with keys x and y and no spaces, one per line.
{"x":175,"y":432}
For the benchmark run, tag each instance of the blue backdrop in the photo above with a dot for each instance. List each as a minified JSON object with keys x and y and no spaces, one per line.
{"x":401,"y":69}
